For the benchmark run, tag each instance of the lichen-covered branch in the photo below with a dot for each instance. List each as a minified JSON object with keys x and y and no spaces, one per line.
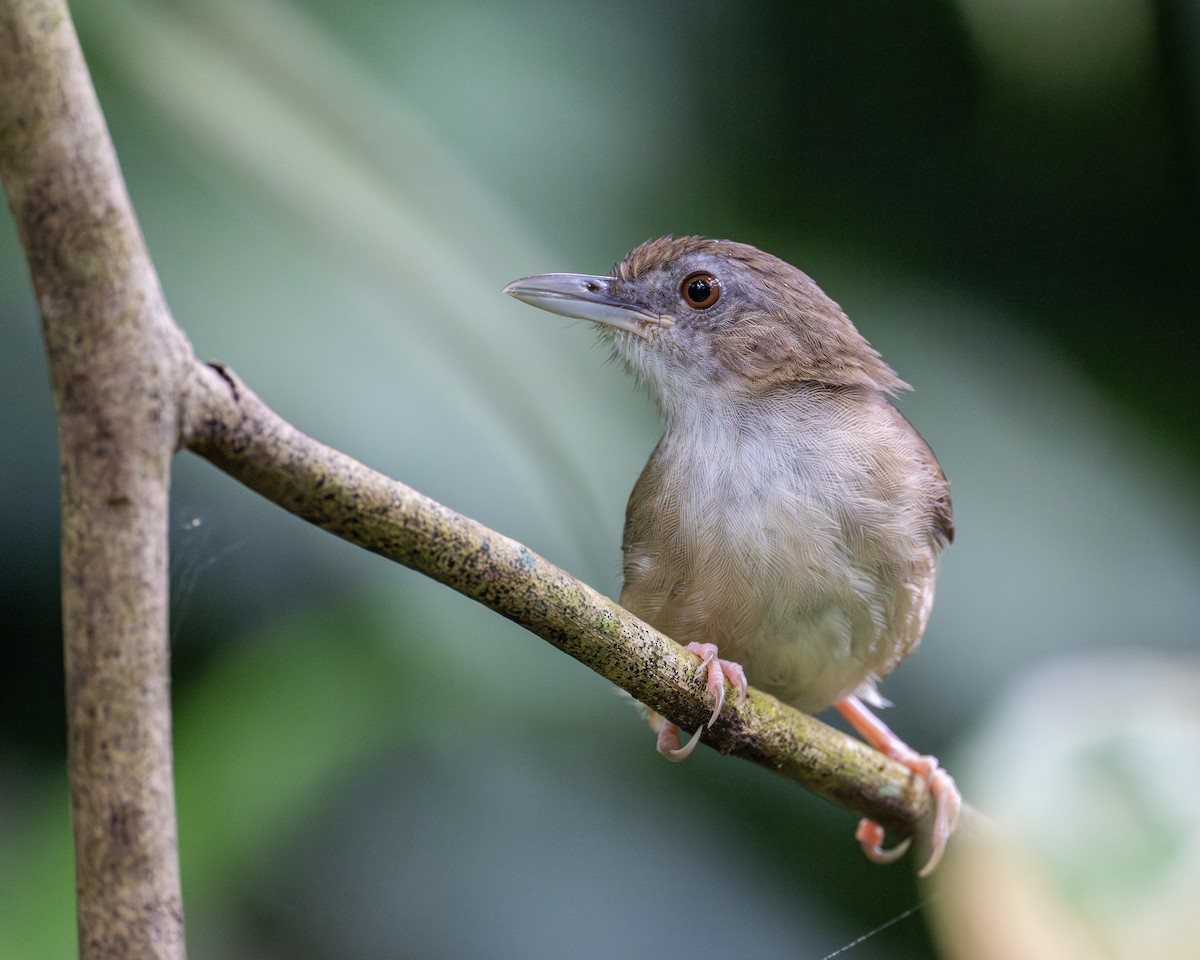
{"x":226,"y":423}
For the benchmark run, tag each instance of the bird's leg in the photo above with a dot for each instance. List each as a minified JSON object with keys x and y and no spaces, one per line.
{"x":718,"y":671}
{"x":946,"y":798}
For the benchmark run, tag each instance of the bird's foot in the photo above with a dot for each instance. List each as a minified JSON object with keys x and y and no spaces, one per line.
{"x":718,"y":672}
{"x":947,"y":801}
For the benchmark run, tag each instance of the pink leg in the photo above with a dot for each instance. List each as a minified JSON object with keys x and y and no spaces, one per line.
{"x":718,"y":672}
{"x":946,"y":798}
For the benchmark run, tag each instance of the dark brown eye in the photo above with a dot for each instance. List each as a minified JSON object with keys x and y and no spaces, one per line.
{"x":700,"y":290}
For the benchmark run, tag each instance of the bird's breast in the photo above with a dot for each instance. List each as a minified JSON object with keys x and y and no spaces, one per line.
{"x":783,"y":555}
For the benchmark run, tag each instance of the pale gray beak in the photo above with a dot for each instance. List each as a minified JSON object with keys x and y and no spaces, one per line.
{"x":586,"y":298}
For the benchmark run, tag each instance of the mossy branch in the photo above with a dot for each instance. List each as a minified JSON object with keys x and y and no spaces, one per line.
{"x":226,"y":423}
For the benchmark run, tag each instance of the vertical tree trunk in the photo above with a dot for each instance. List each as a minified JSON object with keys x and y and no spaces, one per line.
{"x":114,"y":359}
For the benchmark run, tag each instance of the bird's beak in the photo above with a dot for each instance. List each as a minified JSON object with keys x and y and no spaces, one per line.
{"x":587,"y":298}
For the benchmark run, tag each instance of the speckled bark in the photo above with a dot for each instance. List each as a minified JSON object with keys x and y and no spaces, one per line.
{"x":114,"y":359}
{"x":233,"y":428}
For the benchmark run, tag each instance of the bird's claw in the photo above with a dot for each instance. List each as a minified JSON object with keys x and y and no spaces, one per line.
{"x":718,"y":672}
{"x":947,"y":801}
{"x":870,"y":837}
{"x":668,"y":742}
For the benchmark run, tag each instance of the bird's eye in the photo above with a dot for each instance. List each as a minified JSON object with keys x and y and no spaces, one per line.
{"x":700,"y":290}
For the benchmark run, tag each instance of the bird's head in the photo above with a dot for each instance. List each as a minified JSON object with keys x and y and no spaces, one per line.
{"x":693,"y":317}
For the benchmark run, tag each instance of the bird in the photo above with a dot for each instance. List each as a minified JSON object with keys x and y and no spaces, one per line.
{"x":788,"y":524}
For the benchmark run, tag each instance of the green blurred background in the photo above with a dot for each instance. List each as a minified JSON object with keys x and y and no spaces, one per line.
{"x":1003,"y":195}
